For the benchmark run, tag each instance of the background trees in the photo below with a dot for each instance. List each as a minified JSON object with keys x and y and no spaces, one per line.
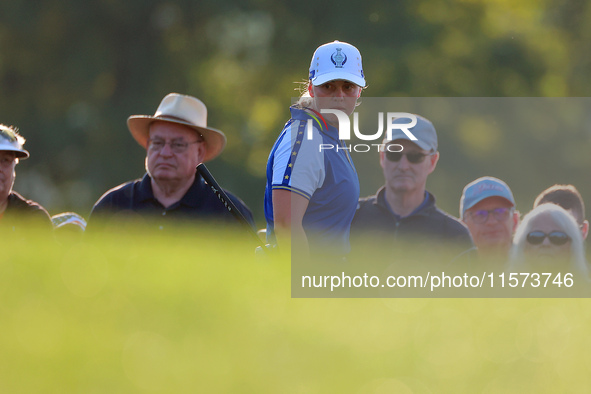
{"x":72,"y":72}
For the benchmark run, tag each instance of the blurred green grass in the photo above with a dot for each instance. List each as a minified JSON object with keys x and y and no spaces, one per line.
{"x":195,"y":310}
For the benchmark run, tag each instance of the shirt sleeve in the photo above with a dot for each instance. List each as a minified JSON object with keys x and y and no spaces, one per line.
{"x":299,"y":162}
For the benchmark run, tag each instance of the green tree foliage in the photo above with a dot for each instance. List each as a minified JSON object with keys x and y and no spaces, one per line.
{"x":72,"y":72}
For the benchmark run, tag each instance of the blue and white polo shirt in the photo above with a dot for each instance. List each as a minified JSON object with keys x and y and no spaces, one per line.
{"x":326,"y":177}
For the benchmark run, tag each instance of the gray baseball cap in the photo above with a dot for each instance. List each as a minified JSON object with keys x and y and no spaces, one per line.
{"x":424,"y":131}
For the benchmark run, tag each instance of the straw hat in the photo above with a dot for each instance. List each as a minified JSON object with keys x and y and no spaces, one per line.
{"x":180,"y":109}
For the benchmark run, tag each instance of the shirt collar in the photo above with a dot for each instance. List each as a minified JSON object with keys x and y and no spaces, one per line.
{"x":192,"y":198}
{"x":145,"y":190}
{"x":317,"y":121}
{"x":428,"y":201}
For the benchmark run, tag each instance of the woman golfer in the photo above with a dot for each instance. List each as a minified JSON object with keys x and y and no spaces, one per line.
{"x":312,"y":186}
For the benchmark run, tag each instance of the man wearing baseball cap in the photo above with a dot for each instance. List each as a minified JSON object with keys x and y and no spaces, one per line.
{"x":176,"y":139}
{"x":487,"y":207}
{"x":403,"y":208}
{"x":15,"y":210}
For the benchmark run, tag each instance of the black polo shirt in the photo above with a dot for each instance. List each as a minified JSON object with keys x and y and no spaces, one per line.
{"x":427,"y":225}
{"x":137,"y":197}
{"x":21,"y":213}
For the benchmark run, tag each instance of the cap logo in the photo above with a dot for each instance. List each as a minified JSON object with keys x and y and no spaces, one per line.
{"x":488,"y":186}
{"x":338,"y":58}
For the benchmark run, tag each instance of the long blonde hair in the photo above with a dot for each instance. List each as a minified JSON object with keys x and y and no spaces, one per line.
{"x":565,"y":221}
{"x":305,"y":100}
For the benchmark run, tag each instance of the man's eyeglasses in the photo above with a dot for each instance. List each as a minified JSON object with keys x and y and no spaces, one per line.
{"x":556,"y":237}
{"x":481,"y":216}
{"x":412,"y":157}
{"x":175,"y":146}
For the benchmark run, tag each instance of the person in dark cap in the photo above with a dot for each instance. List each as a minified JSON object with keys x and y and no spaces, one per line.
{"x":403,"y":209}
{"x":16,"y":212}
{"x":176,"y":139}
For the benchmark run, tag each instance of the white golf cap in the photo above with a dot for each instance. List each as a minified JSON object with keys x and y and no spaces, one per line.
{"x":336,"y":60}
{"x":11,"y":141}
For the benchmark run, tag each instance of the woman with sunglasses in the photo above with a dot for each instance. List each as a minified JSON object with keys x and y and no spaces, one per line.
{"x":548,"y":238}
{"x":311,"y":194}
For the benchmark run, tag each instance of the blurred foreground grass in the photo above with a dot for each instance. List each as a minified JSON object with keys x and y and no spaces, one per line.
{"x":196,"y":311}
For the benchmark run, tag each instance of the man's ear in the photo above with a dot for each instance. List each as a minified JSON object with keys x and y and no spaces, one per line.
{"x":434,"y":158}
{"x":201,"y":150}
{"x":310,"y":90}
{"x":516,"y":216}
{"x":382,"y":158}
{"x":585,"y":229}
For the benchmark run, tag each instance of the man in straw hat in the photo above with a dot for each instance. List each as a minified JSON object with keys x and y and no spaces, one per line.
{"x":176,"y":139}
{"x":15,"y":210}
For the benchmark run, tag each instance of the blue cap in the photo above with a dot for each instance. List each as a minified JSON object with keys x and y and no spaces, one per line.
{"x":481,"y":188}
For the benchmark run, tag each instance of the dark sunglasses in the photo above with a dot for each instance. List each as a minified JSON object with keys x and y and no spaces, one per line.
{"x":413,"y":157}
{"x":482,"y":215}
{"x":556,"y":237}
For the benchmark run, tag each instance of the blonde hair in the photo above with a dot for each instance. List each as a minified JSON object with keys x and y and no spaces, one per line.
{"x":565,"y":221}
{"x":305,"y":100}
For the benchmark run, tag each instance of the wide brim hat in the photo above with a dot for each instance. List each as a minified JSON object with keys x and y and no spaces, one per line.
{"x":180,"y":109}
{"x":11,"y":142}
